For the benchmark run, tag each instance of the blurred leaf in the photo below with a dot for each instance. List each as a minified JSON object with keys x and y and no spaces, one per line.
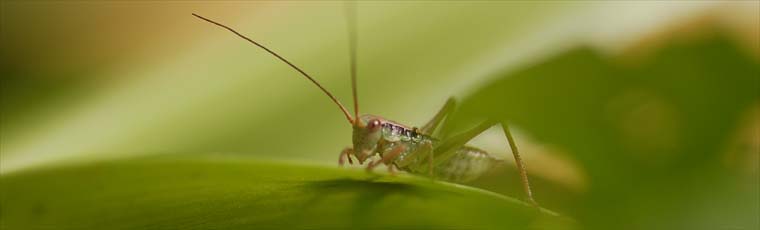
{"x":179,"y":84}
{"x":202,"y":192}
{"x":650,"y":133}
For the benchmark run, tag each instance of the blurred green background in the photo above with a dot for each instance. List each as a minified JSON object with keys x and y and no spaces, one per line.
{"x":583,"y":82}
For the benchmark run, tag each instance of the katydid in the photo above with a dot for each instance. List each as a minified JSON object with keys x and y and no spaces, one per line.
{"x":414,"y":150}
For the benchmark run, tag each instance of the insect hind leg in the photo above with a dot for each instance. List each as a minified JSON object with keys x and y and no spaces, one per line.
{"x":422,"y":156}
{"x":449,"y":148}
{"x":431,"y":125}
{"x":519,"y":163}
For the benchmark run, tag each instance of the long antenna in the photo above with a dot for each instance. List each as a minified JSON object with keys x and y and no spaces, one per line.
{"x":342,"y":108}
{"x":351,"y":23}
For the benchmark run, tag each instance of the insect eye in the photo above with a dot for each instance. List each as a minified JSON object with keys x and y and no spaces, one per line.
{"x":373,"y":124}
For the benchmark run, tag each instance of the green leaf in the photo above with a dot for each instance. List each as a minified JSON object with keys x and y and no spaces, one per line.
{"x":203,"y":192}
{"x":655,"y":135}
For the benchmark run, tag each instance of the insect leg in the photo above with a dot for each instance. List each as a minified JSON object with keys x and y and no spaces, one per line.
{"x":391,"y":169}
{"x":345,"y":154}
{"x":448,"y":148}
{"x":427,"y":151}
{"x":431,"y":125}
{"x":387,"y":157}
{"x":430,"y":161}
{"x":424,"y":152}
{"x":519,"y":163}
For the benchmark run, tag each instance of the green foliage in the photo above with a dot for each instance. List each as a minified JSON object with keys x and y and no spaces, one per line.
{"x":653,"y":134}
{"x":661,"y":139}
{"x":202,"y":192}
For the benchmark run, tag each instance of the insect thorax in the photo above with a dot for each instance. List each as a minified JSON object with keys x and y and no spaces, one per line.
{"x":393,"y":133}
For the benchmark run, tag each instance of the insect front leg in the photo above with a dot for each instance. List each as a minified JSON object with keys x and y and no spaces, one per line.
{"x":345,"y":154}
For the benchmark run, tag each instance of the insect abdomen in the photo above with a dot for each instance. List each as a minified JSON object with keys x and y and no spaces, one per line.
{"x":467,"y":164}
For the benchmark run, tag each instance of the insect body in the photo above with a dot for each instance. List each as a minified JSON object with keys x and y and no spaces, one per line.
{"x":414,"y":150}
